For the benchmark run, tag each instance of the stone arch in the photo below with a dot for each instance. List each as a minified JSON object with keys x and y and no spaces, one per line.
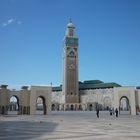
{"x":71,"y":107}
{"x":124,"y":105}
{"x":42,"y":103}
{"x":129,"y":94}
{"x":53,"y":107}
{"x":14,"y":106}
{"x":15,"y":94}
{"x":45,"y":94}
{"x":90,"y":106}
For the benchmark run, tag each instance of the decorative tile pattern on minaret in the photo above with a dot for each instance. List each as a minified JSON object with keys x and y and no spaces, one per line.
{"x":70,"y":87}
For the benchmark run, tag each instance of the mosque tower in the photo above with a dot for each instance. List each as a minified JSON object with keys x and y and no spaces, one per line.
{"x":70,"y":87}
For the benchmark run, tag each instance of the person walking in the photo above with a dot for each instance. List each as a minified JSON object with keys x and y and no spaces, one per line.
{"x":110,"y":110}
{"x":97,"y":112}
{"x":116,"y":111}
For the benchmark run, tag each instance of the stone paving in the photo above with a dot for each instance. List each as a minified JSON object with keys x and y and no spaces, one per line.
{"x":70,"y":126}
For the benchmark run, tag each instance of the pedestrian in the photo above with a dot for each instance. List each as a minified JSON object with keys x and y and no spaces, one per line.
{"x":97,"y":112}
{"x":116,"y":111}
{"x":110,"y":110}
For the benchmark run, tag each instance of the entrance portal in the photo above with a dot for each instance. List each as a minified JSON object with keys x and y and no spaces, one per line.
{"x":40,"y":105}
{"x":14,"y":105}
{"x":124,"y":106}
{"x":71,"y":107}
{"x":90,"y":107}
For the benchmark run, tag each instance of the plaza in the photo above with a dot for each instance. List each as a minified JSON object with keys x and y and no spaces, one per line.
{"x":70,"y":125}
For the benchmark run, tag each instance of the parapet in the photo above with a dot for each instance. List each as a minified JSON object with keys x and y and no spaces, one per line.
{"x":138,"y":87}
{"x":4,"y":86}
{"x":24,"y":87}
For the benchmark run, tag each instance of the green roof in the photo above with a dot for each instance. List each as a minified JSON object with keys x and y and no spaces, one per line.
{"x":91,"y":84}
{"x":59,"y":88}
{"x":98,"y":86}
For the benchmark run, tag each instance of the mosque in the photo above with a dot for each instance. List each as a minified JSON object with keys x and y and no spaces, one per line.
{"x":72,"y":94}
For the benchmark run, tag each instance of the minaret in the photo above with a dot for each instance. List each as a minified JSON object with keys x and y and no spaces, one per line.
{"x":70,"y":87}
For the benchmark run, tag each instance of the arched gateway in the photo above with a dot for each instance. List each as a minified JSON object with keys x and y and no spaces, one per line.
{"x":24,"y":100}
{"x":13,"y":105}
{"x":45,"y":94}
{"x":124,"y":99}
{"x":124,"y":105}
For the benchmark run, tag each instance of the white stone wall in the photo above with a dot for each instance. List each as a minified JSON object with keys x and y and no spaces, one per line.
{"x":57,"y":97}
{"x":96,"y":95}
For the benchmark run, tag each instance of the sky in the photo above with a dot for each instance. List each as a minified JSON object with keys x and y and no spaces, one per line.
{"x":32,"y":32}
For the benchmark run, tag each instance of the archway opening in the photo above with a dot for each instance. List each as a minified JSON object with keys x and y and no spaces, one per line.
{"x":40,"y":106}
{"x":124,"y":106}
{"x":72,"y":107}
{"x":53,"y":107}
{"x":90,"y":107}
{"x":13,"y":105}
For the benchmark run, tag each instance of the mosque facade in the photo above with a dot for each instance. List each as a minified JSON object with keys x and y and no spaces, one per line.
{"x":73,"y":95}
{"x":88,"y":95}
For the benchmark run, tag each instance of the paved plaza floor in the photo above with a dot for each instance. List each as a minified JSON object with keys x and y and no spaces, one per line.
{"x":70,"y":126}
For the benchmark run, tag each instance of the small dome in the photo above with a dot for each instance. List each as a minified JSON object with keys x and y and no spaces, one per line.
{"x":70,"y":24}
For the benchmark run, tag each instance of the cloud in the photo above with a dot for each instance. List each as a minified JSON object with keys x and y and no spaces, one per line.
{"x":10,"y":21}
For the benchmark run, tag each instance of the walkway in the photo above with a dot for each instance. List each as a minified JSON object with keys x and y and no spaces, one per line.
{"x":70,"y":126}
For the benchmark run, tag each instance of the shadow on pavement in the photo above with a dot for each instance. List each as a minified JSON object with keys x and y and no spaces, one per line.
{"x":24,"y":130}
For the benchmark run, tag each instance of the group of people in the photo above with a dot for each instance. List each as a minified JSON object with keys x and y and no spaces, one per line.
{"x":112,"y":112}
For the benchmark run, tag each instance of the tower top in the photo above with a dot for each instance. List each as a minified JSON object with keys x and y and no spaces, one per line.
{"x":70,"y":29}
{"x":70,"y":24}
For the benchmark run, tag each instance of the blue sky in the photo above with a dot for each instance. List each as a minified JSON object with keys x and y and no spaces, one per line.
{"x":31,"y":40}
